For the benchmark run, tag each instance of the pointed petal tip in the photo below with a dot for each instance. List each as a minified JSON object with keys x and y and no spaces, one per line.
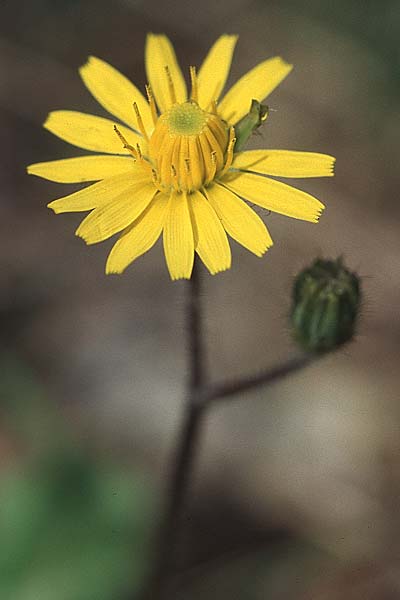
{"x":81,"y":235}
{"x":113,"y":267}
{"x":84,"y":65}
{"x":284,"y":63}
{"x":113,"y":271}
{"x":46,"y":122}
{"x":318,"y":214}
{"x":264,"y":249}
{"x":220,"y":270}
{"x":180,"y":277}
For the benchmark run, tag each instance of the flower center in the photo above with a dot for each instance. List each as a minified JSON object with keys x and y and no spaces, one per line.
{"x":188,"y":147}
{"x":186,"y":119}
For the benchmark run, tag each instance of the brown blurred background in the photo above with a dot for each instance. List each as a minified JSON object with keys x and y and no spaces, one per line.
{"x":297,"y":491}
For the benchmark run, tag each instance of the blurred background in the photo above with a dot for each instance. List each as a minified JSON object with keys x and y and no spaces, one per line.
{"x":297,"y":489}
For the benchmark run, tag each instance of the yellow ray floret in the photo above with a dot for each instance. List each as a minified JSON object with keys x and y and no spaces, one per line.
{"x":257,"y":84}
{"x":159,"y":54}
{"x":89,"y":132}
{"x":215,"y":70}
{"x":115,"y":92}
{"x":276,"y":196}
{"x":113,"y":217}
{"x":285,"y":163}
{"x":239,"y":220}
{"x":94,"y":196}
{"x":178,"y":237}
{"x":83,"y":168}
{"x":139,"y":237}
{"x":211,"y":242}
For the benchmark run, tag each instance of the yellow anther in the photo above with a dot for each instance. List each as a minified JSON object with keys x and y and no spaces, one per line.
{"x":214,"y":107}
{"x":156,"y":181}
{"x":175,"y":179}
{"x":193,"y":78}
{"x":214,"y":165}
{"x":140,"y":122}
{"x":125,"y":144}
{"x":143,"y":161}
{"x":229,"y":152}
{"x":152,"y":103}
{"x":170,"y":85}
{"x":188,"y":174}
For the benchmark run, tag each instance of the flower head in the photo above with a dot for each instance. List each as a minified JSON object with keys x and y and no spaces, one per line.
{"x":169,"y":166}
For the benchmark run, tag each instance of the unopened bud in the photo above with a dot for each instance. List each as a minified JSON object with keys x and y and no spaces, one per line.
{"x":326,"y":303}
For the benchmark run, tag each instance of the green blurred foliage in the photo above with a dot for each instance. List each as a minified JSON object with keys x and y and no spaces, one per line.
{"x":71,"y":527}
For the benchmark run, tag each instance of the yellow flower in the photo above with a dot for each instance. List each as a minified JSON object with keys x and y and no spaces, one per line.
{"x":172,"y":167}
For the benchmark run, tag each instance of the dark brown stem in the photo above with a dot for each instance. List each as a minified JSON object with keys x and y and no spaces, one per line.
{"x":182,"y":465}
{"x":199,"y":398}
{"x":225,"y":390}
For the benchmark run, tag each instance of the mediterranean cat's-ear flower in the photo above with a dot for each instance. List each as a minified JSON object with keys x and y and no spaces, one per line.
{"x":165,"y":164}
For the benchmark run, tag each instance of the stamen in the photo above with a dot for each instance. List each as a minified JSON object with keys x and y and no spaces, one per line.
{"x":143,"y":161}
{"x":156,"y":180}
{"x":211,"y":174}
{"x":193,"y":78}
{"x":189,"y":174}
{"x":140,"y":122}
{"x":174,"y":176}
{"x":152,"y":103}
{"x":214,"y":107}
{"x":125,"y":144}
{"x":229,"y":152}
{"x":170,"y":85}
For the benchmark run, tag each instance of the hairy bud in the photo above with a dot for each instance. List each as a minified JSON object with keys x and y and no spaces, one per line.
{"x":326,"y":303}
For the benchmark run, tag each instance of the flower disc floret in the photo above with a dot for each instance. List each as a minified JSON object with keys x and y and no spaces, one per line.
{"x":188,"y":147}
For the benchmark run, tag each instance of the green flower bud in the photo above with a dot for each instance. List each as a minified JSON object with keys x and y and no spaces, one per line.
{"x":326,"y":303}
{"x":249,"y":123}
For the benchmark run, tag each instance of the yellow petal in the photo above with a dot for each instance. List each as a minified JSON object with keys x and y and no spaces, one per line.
{"x":285,"y":163}
{"x":115,"y":92}
{"x":211,"y":242}
{"x":90,"y":132}
{"x":239,"y":220}
{"x":83,"y":168}
{"x":215,"y":70}
{"x":159,"y":54}
{"x":95,"y":195}
{"x":113,"y":217}
{"x":139,"y":237}
{"x":178,"y":237}
{"x":276,"y":196}
{"x":256,"y":84}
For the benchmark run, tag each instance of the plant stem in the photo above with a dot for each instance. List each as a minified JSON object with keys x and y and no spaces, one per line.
{"x":185,"y":454}
{"x":222,"y":391}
